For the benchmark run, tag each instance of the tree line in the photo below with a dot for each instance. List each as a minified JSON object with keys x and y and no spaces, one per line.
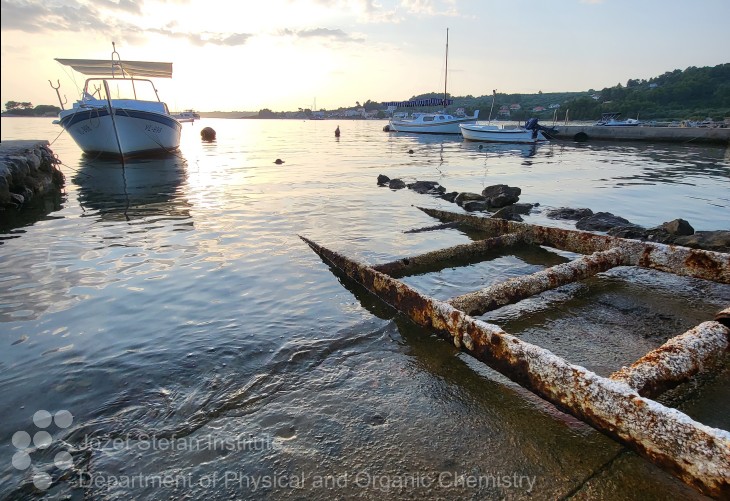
{"x":26,"y":109}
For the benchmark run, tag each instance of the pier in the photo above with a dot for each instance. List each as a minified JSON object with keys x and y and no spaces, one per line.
{"x":708,"y":135}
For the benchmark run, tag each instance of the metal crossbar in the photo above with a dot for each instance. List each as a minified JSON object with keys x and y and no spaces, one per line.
{"x":620,"y":406}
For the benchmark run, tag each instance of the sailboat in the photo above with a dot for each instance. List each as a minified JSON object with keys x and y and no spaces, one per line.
{"x":430,"y":123}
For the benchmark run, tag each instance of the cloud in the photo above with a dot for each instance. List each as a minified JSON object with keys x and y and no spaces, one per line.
{"x":325,"y":33}
{"x":101,"y":16}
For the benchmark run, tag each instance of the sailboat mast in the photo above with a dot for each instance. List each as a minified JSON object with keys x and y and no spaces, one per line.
{"x":446,"y":72}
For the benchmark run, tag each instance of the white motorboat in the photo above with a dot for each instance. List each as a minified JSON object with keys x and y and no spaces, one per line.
{"x":611,"y":120}
{"x":120,"y":114}
{"x":433,"y":123}
{"x":497,"y":134}
{"x":186,"y":116}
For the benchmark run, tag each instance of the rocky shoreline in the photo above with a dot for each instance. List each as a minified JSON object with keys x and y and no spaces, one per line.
{"x":28,"y":170}
{"x":501,"y":201}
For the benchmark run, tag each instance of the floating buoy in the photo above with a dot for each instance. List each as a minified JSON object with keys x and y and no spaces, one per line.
{"x":207,"y":134}
{"x":278,"y":161}
{"x":337,"y":131}
{"x":410,"y":152}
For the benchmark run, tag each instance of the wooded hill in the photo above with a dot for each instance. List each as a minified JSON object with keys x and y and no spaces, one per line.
{"x":691,"y":94}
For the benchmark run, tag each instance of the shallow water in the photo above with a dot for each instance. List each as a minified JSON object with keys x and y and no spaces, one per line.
{"x":171,"y":305}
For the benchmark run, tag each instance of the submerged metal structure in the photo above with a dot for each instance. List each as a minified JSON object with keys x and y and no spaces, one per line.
{"x":620,"y":406}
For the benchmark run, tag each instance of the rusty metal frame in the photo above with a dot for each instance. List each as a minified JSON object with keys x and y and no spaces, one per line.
{"x":619,"y":406}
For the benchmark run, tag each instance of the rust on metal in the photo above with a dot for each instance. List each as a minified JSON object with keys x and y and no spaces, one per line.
{"x":518,"y":288}
{"x":409,"y":265}
{"x":696,"y":453}
{"x":706,"y":265}
{"x":677,"y":360}
{"x":723,"y":317}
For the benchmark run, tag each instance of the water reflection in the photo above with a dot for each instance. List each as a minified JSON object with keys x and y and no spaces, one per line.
{"x":134,"y":189}
{"x":499,"y":149}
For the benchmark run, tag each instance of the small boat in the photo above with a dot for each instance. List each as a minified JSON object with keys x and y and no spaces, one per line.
{"x":186,"y":116}
{"x":611,"y":120}
{"x":530,"y":133}
{"x":119,"y":113}
{"x":433,"y":123}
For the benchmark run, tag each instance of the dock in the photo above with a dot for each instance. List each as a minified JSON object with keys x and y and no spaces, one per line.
{"x":694,"y":135}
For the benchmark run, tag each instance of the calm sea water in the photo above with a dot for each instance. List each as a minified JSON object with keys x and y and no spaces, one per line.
{"x":201,"y":349}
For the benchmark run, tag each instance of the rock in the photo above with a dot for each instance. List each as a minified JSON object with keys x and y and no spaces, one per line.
{"x":426,"y":187}
{"x":466,"y":196}
{"x":520,"y":208}
{"x":633,"y":231}
{"x":17,"y":199}
{"x":509,"y":213}
{"x":718,"y":241}
{"x":450,"y":196}
{"x":568,"y":213}
{"x":678,"y":227}
{"x":601,"y":221}
{"x":475,"y":205}
{"x":383,"y":180}
{"x":501,"y":195}
{"x":396,"y":184}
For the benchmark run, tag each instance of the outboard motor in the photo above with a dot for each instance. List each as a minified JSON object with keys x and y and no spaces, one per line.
{"x":532,"y":125}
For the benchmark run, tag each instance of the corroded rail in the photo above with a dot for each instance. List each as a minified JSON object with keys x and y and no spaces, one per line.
{"x":677,"y":360}
{"x":696,"y":263}
{"x":618,"y":406}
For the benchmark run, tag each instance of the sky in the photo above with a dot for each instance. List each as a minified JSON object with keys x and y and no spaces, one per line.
{"x":244,"y":55}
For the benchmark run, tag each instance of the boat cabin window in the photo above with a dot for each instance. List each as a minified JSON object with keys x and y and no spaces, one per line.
{"x":428,"y":119}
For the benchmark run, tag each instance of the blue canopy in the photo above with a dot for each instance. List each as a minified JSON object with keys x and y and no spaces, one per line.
{"x":434,"y":101}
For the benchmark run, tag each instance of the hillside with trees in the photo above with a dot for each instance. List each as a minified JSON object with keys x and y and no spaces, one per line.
{"x":692,"y":94}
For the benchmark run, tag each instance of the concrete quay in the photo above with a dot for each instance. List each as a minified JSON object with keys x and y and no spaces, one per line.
{"x":643,"y":133}
{"x":27,"y":169}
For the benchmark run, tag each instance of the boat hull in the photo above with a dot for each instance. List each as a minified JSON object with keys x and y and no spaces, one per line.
{"x":139,"y":132}
{"x":442,"y":127}
{"x":494,"y":134}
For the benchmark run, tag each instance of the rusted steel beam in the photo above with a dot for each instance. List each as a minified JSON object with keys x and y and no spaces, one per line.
{"x":677,"y":360}
{"x":696,"y":453}
{"x":518,"y":288}
{"x":443,"y":226}
{"x":406,"y":266}
{"x":707,"y":265}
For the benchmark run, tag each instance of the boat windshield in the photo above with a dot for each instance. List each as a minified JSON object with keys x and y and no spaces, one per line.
{"x":122,"y":88}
